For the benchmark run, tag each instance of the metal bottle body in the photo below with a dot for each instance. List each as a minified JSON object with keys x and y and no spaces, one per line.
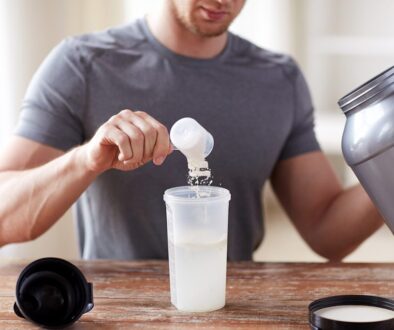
{"x":368,"y":147}
{"x":368,"y":141}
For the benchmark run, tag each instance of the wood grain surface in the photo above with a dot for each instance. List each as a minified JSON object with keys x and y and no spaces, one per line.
{"x":135,"y":295}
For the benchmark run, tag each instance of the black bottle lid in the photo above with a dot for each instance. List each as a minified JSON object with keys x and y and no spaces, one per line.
{"x":319,"y":322}
{"x":52,"y":293}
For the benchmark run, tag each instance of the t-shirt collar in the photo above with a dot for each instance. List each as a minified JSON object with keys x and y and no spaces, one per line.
{"x":182,"y":58}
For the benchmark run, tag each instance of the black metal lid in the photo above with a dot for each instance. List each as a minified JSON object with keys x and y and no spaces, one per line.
{"x":318,"y":322}
{"x":368,"y":91}
{"x":52,"y":292}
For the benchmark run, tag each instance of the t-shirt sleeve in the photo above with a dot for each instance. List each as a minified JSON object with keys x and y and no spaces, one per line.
{"x":302,"y":138}
{"x":52,"y":109}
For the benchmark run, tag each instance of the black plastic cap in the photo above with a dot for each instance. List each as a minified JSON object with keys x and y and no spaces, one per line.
{"x":317,"y":322}
{"x":52,"y":293}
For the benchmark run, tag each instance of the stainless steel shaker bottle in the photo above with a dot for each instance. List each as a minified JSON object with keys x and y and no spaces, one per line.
{"x":368,"y":139}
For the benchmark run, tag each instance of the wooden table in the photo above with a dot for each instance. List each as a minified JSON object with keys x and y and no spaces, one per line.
{"x":259,"y":295}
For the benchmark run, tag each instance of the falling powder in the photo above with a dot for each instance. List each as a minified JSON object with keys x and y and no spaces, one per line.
{"x":199,"y":172}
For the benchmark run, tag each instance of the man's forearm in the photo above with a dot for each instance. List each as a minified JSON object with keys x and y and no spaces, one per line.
{"x":346,"y":223}
{"x":33,"y":200}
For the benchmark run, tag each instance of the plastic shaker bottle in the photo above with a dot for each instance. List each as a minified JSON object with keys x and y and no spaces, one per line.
{"x":197,"y":221}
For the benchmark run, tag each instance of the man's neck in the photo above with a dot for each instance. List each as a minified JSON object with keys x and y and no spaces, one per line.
{"x":177,"y":38}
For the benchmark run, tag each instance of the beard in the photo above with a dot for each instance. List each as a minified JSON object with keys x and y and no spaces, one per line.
{"x":203,"y":29}
{"x":199,"y":26}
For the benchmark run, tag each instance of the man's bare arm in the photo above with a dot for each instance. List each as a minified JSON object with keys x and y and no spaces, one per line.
{"x":39,"y":183}
{"x":33,"y":199}
{"x":332,"y":220}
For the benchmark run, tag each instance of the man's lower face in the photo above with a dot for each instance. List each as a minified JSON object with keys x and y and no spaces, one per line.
{"x":207,"y":18}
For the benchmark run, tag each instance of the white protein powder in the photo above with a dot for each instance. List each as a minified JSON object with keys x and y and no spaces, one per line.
{"x":199,"y":172}
{"x":356,"y":313}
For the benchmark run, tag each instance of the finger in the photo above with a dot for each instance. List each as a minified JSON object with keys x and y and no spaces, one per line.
{"x":162,"y":145}
{"x":136,"y":138}
{"x":127,"y":165}
{"x":170,"y":149}
{"x":113,"y":136}
{"x":149,"y":132}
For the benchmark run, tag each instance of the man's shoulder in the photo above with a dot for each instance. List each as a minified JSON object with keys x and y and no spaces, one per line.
{"x":126,"y":36}
{"x":257,"y":57}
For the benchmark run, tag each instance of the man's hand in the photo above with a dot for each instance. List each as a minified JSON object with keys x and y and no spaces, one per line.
{"x":127,"y":141}
{"x":45,"y":181}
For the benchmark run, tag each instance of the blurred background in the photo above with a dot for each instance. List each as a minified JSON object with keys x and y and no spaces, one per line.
{"x":338,"y":44}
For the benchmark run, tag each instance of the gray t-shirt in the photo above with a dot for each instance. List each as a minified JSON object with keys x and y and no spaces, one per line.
{"x":254,"y":102}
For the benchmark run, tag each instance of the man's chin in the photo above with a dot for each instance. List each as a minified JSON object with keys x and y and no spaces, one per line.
{"x":211,"y":32}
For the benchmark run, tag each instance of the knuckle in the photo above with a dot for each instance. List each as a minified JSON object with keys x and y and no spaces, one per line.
{"x":123,"y":139}
{"x":105,"y":127}
{"x":149,"y":130}
{"x":162,"y":129}
{"x":141,"y":114}
{"x":125,"y":112}
{"x":138,"y":136}
{"x":112,"y":120}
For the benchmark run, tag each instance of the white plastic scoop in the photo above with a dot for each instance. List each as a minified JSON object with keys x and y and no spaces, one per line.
{"x":195,"y":142}
{"x":190,"y":138}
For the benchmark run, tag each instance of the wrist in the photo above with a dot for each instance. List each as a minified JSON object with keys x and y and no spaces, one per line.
{"x":81,"y":159}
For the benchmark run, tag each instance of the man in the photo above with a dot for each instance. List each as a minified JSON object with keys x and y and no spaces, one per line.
{"x":180,"y":61}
